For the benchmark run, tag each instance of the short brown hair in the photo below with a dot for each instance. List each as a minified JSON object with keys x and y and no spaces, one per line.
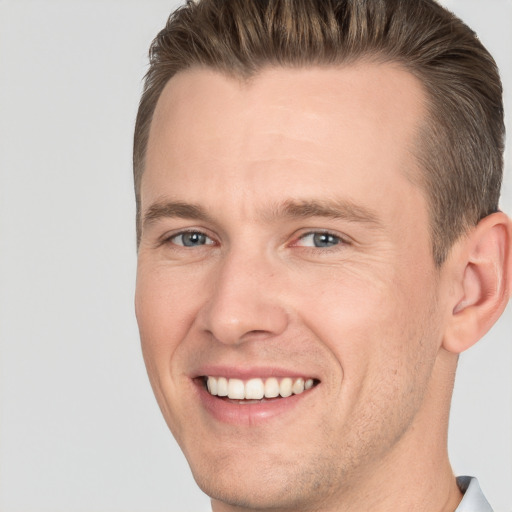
{"x":461,"y":149}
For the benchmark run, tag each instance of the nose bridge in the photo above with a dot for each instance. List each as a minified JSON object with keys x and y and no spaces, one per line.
{"x":244,"y":298}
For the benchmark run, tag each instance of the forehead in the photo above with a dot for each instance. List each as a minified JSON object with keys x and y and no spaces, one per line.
{"x":285,"y":131}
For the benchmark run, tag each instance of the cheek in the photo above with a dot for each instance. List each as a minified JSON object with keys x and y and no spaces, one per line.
{"x":374,"y":324}
{"x":343,"y":301}
{"x":165,"y":310}
{"x":164,"y":305}
{"x":380,"y":337}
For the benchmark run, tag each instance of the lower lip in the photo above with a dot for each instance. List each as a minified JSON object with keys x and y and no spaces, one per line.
{"x":250,"y":414}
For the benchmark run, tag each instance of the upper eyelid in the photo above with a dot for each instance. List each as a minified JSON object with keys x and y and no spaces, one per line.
{"x":181,"y":233}
{"x":321,"y":232}
{"x":342,"y":237}
{"x":294,"y":237}
{"x":169,"y":236}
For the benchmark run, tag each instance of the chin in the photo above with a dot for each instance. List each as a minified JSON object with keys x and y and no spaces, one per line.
{"x":262,"y":480}
{"x":266,"y":491}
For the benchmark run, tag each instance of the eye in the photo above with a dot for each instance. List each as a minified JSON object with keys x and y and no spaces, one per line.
{"x":191,"y":239}
{"x":319,"y":240}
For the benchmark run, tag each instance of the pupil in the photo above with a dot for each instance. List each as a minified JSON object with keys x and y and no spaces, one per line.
{"x":191,"y":239}
{"x":324,"y":240}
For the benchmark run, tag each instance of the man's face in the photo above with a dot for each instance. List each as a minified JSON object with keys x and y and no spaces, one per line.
{"x":282,"y":239}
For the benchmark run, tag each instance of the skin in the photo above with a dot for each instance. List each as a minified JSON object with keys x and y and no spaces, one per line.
{"x":367,"y":316}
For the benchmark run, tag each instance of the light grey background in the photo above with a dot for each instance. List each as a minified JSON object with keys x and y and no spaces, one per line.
{"x":79,"y":427}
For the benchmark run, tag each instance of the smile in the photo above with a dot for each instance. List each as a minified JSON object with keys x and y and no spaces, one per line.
{"x":257,"y":388}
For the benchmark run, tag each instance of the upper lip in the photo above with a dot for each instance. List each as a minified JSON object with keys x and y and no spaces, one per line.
{"x":250,"y":372}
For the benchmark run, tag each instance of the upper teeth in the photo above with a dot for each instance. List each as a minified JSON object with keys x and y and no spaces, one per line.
{"x":256,"y":389}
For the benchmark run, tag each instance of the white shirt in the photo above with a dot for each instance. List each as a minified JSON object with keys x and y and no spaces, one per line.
{"x":473,"y":500}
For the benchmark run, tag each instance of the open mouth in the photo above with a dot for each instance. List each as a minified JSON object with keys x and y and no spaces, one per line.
{"x":257,"y":389}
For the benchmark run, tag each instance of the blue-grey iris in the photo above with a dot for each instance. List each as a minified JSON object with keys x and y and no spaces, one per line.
{"x":193,"y":239}
{"x":325,"y":240}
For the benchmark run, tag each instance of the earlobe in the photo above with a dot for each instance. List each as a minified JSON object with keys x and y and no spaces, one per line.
{"x":485,"y":282}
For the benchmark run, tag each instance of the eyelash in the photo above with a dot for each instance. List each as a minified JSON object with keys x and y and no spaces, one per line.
{"x":340,"y":241}
{"x":170,"y":239}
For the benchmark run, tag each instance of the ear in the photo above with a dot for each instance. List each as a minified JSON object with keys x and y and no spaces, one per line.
{"x":484,"y":282}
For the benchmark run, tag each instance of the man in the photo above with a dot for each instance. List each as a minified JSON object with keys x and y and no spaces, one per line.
{"x":317,"y":191}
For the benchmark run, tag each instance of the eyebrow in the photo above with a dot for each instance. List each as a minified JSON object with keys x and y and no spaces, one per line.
{"x":335,"y":209}
{"x":175,"y":209}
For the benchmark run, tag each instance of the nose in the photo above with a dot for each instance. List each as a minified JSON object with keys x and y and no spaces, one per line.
{"x":244,"y":301}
